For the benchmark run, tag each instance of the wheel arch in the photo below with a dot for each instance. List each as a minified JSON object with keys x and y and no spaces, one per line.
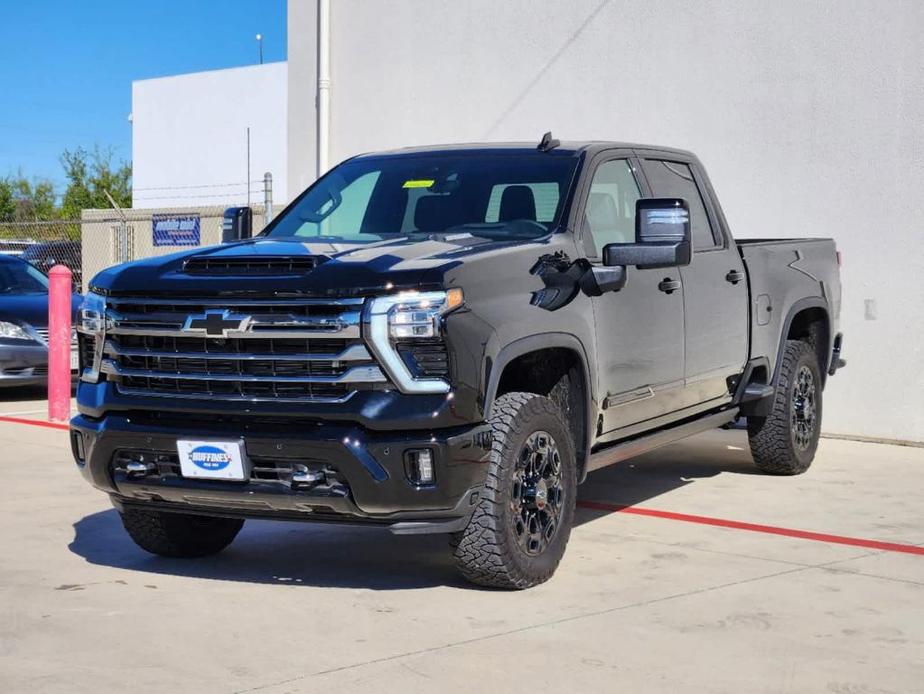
{"x":809,"y":319}
{"x":555,"y":354}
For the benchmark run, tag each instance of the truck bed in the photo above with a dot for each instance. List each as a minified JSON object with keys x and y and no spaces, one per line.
{"x":785,"y":275}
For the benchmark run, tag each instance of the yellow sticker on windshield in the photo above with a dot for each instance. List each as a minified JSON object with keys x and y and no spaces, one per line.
{"x":418,"y":183}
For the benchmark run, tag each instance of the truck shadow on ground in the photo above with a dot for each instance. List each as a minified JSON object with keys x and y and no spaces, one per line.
{"x":348,"y":557}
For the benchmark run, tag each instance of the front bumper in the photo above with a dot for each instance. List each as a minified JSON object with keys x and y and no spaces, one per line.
{"x":23,"y":364}
{"x":371,"y":465}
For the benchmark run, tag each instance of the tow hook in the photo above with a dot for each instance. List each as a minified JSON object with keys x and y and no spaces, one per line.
{"x":137,"y":468}
{"x":301,"y":475}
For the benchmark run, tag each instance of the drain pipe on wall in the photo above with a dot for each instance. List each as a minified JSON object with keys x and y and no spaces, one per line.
{"x":323,"y":86}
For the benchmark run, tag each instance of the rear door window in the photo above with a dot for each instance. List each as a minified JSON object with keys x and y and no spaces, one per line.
{"x":671,"y":179}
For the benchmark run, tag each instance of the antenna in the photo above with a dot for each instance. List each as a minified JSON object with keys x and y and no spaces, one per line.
{"x":547,"y":142}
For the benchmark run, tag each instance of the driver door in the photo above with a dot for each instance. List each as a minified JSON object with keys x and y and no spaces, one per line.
{"x":639,"y":329}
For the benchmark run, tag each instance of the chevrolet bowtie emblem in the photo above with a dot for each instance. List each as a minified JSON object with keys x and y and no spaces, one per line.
{"x":216,"y":323}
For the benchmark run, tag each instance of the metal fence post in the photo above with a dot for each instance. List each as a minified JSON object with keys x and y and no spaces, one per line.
{"x":123,"y":242}
{"x":267,"y":198}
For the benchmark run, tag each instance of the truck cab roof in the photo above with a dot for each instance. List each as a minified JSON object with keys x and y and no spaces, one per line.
{"x":564,"y":148}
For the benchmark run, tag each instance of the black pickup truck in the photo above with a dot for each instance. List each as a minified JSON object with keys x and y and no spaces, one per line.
{"x":447,"y":340}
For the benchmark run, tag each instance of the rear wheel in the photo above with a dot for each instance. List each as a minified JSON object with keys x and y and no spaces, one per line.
{"x":179,"y":534}
{"x":784,"y":443}
{"x":519,"y":530}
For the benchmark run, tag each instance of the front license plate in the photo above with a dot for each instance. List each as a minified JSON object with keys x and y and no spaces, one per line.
{"x":75,"y":360}
{"x":214,"y":460}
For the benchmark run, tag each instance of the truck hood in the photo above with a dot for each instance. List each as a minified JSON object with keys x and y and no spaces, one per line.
{"x":341,"y":269}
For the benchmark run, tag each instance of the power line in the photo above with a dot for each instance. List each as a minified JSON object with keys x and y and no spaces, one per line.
{"x":208,"y":185}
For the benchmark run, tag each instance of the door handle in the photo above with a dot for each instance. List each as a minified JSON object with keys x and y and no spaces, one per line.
{"x":734,"y":276}
{"x":669,"y":286}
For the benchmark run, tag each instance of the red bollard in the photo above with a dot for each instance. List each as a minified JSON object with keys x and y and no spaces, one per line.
{"x":59,"y":343}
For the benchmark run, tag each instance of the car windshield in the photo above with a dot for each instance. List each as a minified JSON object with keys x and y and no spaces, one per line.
{"x":491,"y":194}
{"x":21,"y":278}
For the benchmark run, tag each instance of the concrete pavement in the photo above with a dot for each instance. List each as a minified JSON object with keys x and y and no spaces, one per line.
{"x":647,"y":603}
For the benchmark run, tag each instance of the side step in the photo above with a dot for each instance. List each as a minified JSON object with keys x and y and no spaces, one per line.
{"x":648,"y":442}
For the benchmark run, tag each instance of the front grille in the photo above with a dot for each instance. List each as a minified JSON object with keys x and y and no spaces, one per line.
{"x":227,"y":349}
{"x":251,"y":265}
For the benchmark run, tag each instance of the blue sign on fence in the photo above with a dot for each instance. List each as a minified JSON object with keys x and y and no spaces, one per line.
{"x":175,"y":230}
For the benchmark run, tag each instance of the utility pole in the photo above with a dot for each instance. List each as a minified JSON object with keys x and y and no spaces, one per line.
{"x":248,"y":166}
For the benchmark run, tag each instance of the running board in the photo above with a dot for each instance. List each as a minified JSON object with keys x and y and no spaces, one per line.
{"x":635,"y":447}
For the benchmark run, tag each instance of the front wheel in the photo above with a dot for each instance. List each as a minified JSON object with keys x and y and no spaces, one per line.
{"x":520,"y":527}
{"x":784,"y":443}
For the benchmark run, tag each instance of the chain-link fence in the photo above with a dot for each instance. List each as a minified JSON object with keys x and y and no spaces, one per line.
{"x":103,"y":238}
{"x":45,"y":244}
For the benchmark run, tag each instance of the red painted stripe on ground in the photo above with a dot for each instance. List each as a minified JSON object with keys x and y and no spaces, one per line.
{"x":668,"y":515}
{"x":35,"y":423}
{"x":754,"y":527}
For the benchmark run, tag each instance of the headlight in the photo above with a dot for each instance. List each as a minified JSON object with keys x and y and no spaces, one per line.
{"x":12,"y":331}
{"x":91,"y":325}
{"x":91,"y":318}
{"x":408,"y":316}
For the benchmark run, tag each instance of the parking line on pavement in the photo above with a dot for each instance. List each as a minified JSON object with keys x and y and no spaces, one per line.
{"x":34,"y":422}
{"x":667,"y":515}
{"x":755,"y":527}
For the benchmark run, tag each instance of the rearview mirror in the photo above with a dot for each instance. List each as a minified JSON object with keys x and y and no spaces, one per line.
{"x":662,"y":236}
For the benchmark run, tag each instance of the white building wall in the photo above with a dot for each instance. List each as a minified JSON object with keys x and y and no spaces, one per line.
{"x":189,"y":136}
{"x":808,"y":116}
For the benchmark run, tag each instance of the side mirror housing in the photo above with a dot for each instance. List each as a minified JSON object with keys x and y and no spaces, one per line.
{"x":237,"y":224}
{"x":662,"y":236}
{"x":598,"y":280}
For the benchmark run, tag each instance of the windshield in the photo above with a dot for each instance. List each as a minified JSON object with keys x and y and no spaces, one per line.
{"x":497,"y":195}
{"x":21,"y":278}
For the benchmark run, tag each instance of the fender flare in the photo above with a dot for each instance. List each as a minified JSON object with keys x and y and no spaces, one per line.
{"x":796,"y":308}
{"x":534,"y":343}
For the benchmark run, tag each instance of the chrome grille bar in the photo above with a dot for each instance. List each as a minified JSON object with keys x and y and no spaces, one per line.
{"x":352,"y":353}
{"x":358,"y":374}
{"x":224,"y":302}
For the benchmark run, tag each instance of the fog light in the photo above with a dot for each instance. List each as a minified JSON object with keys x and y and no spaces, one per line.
{"x":420,"y":466}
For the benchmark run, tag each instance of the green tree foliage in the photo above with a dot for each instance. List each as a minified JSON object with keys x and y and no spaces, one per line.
{"x":25,"y":200}
{"x":7,"y":201}
{"x":88,"y":176}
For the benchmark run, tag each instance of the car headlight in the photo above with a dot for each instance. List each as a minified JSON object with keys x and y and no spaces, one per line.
{"x":91,"y":318}
{"x":13,"y":331}
{"x":91,"y":329}
{"x":408,"y":316}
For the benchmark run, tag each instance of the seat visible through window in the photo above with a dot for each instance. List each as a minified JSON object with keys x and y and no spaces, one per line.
{"x":517,"y":202}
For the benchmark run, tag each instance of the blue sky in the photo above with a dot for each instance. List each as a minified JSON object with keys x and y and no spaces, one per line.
{"x":66,"y":67}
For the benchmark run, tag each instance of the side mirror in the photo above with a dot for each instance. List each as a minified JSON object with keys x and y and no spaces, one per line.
{"x":598,"y":280}
{"x":662,"y":236}
{"x":237,"y":224}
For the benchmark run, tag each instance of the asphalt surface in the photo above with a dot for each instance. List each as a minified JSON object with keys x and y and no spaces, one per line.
{"x":668,"y":601}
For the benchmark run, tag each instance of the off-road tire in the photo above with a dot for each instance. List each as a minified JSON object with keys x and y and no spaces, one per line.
{"x":488,"y":551}
{"x":773,"y":439}
{"x":178,"y":534}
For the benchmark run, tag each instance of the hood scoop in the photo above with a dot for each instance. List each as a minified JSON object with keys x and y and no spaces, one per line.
{"x":252,"y":264}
